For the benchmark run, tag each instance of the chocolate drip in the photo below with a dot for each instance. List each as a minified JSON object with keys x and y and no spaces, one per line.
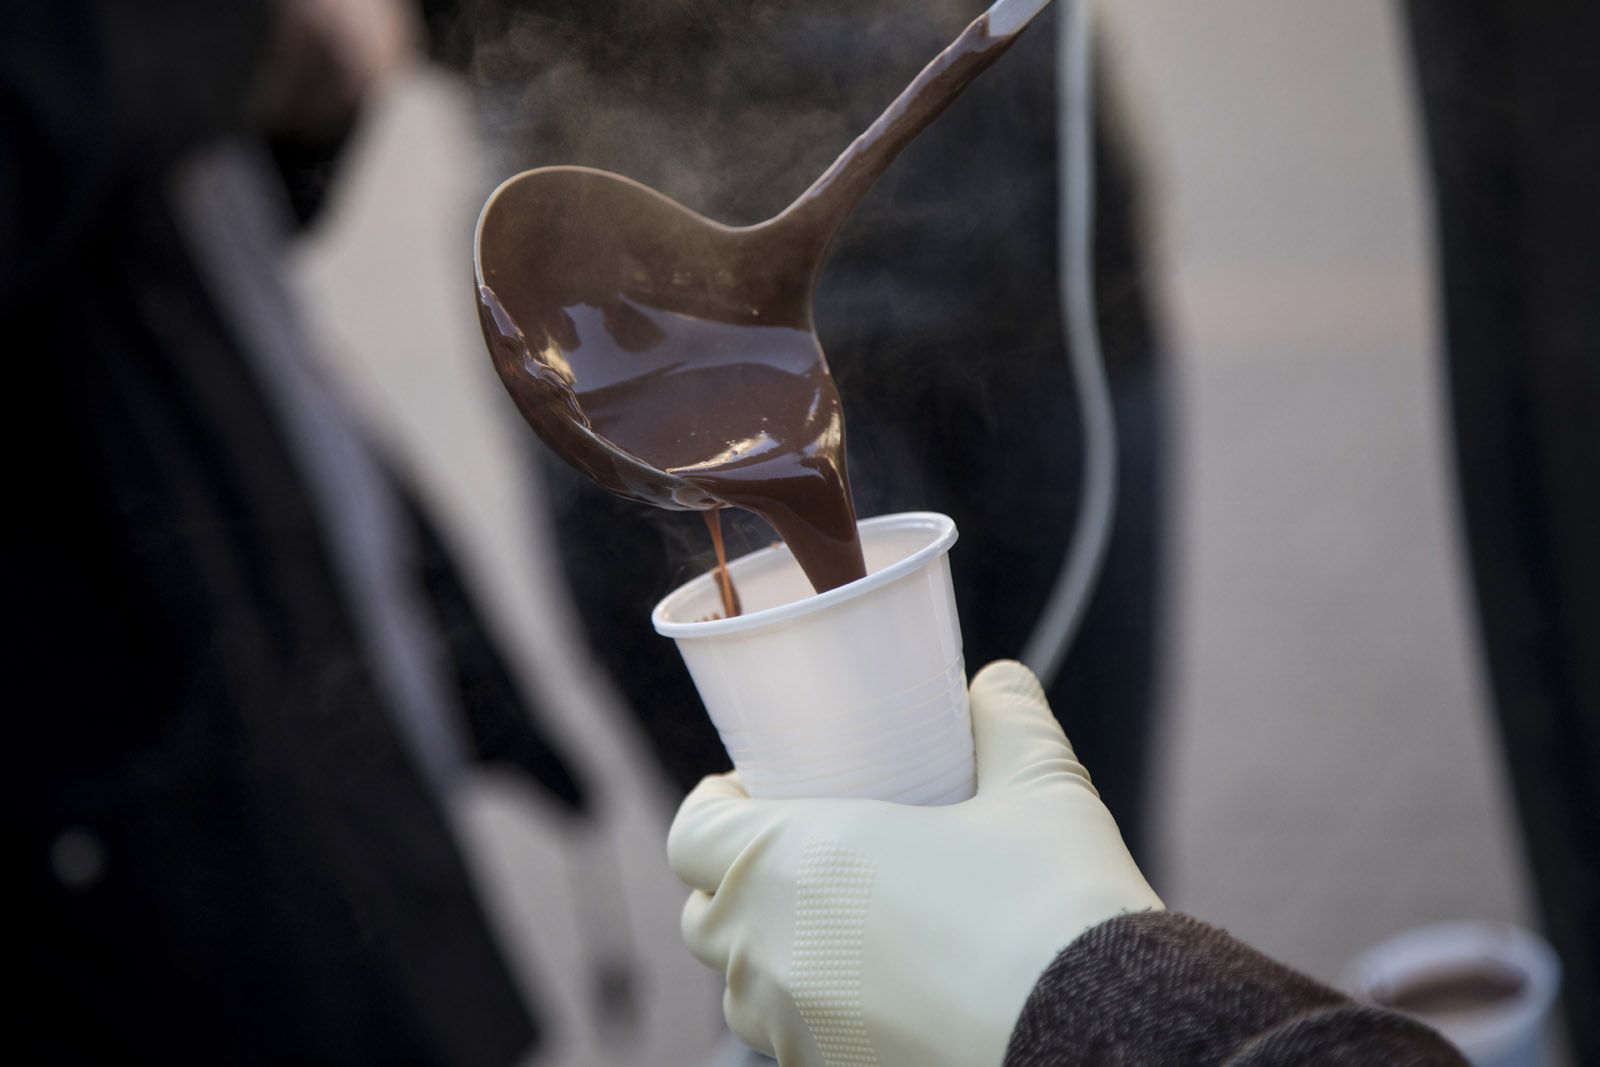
{"x":730,"y":595}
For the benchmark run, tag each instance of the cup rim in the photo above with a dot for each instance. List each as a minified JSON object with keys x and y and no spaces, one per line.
{"x":942,"y":526}
{"x":1441,"y":945}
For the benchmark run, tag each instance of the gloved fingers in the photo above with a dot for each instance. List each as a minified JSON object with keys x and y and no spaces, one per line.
{"x":714,"y":825}
{"x":1013,"y":730}
{"x":710,"y":942}
{"x":751,"y":994}
{"x":758,"y":1005}
{"x":694,"y":923}
{"x":742,"y":1016}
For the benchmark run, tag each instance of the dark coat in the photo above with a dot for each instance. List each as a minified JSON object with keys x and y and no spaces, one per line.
{"x":1510,"y":97}
{"x":226,"y":851}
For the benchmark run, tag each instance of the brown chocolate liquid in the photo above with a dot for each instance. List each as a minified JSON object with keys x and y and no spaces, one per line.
{"x":674,"y":359}
{"x":1455,"y":991}
{"x":730,"y":595}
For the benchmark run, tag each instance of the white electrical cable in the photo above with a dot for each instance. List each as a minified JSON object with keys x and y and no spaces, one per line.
{"x":1063,"y":613}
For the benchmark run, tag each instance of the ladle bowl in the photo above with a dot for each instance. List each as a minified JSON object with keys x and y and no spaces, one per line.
{"x":604,"y":268}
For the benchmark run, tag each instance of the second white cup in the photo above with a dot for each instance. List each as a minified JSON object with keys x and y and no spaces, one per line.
{"x":1487,"y":987}
{"x":859,"y":692}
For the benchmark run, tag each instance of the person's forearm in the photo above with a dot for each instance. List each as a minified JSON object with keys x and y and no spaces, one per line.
{"x":1159,"y":988}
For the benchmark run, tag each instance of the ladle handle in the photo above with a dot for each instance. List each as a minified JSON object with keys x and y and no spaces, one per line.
{"x":816,"y":216}
{"x":1010,"y":17}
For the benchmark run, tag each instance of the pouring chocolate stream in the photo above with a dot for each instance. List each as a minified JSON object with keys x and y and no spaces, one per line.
{"x":674,"y":359}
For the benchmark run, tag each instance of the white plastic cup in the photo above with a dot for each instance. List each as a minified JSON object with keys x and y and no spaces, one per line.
{"x":859,"y":692}
{"x":1507,"y":1032}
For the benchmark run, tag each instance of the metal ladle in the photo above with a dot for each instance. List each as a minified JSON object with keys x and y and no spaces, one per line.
{"x":579,"y":270}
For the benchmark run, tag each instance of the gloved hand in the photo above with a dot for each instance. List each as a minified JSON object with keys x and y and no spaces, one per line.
{"x":870,"y":934}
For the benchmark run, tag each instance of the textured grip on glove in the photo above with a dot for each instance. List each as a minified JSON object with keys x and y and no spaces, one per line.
{"x":832,"y":891}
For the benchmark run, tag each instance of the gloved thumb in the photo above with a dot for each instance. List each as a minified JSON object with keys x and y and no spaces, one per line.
{"x":1015,"y":735}
{"x":715,"y":823}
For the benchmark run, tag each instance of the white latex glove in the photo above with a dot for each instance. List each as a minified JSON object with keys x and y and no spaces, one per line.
{"x":856,"y":933}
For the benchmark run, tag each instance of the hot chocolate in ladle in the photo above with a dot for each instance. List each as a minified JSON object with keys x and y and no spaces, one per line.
{"x":673,"y":359}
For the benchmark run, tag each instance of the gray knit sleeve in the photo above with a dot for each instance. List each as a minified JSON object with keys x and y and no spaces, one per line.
{"x":1156,"y":988}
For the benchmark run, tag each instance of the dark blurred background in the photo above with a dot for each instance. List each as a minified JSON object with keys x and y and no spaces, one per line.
{"x":440,"y":838}
{"x":1329,"y":772}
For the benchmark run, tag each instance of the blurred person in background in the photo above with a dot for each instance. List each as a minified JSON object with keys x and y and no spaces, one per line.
{"x":242,"y":675}
{"x":1510,"y":97}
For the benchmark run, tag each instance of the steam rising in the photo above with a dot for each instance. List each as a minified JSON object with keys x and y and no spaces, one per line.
{"x":730,"y":107}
